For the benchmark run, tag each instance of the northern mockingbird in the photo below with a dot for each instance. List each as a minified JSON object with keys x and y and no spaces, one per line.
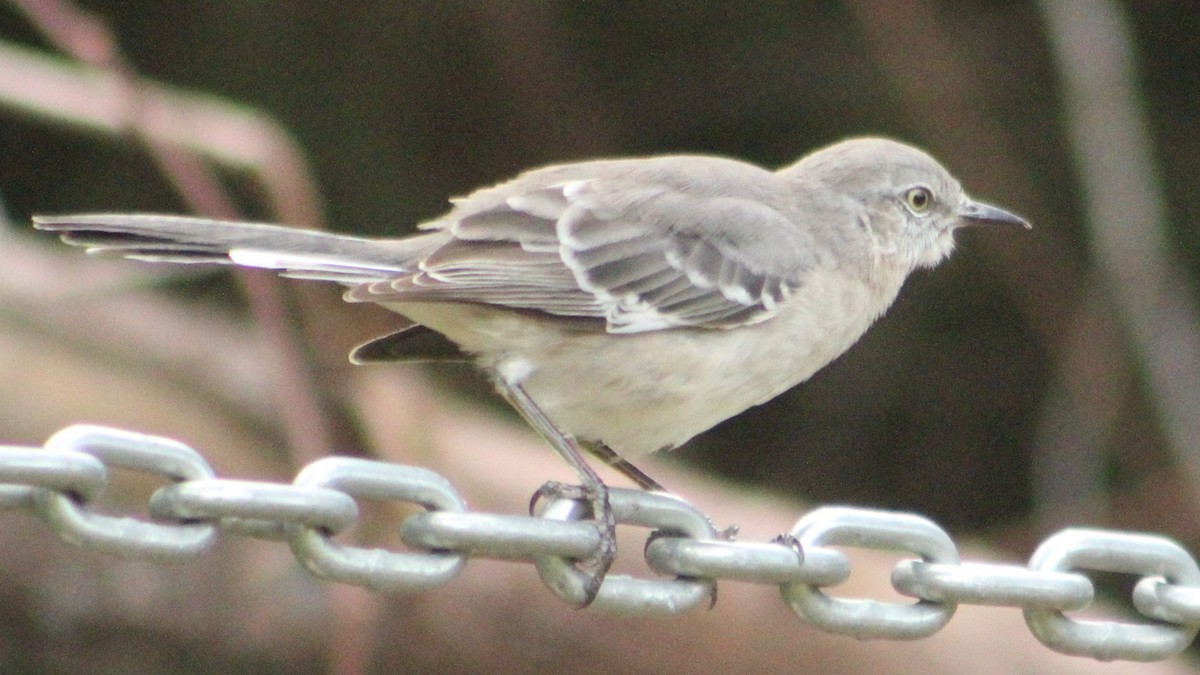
{"x":621,"y":306}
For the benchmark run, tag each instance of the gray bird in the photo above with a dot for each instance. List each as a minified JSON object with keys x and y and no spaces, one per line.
{"x":622,"y":306}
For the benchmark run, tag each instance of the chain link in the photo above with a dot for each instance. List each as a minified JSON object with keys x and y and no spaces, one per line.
{"x":376,"y":568}
{"x":862,"y":528}
{"x":67,"y":512}
{"x":1154,"y":559}
{"x":61,"y":481}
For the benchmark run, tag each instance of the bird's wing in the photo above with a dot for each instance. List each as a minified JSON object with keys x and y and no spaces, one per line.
{"x":629,"y":245}
{"x":638,"y":244}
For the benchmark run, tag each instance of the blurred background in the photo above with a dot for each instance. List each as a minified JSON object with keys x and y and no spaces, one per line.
{"x":1036,"y":380}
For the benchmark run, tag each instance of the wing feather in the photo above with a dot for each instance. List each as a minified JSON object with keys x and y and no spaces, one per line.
{"x":630,"y":245}
{"x":599,"y":241}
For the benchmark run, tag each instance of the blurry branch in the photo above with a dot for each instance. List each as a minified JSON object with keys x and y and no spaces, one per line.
{"x":1081,"y":409}
{"x":1063,"y":303}
{"x":944,"y":99}
{"x":88,"y":39}
{"x":1109,"y":136}
{"x":64,"y":301}
{"x":176,"y":129}
{"x":179,"y":131}
{"x":237,"y":137}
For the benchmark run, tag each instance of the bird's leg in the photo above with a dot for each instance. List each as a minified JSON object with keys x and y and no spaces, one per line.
{"x":590,"y":490}
{"x":612,"y":459}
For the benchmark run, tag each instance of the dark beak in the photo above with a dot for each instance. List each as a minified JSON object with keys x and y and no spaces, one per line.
{"x":978,"y":213}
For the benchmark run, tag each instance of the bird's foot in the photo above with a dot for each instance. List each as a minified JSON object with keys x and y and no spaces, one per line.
{"x":789,"y":540}
{"x":595,"y":567}
{"x":728,"y":534}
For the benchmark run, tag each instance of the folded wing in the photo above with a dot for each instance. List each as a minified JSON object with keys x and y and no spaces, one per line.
{"x":591,"y":241}
{"x":626,"y":245}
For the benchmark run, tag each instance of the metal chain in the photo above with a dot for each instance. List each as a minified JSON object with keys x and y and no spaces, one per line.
{"x":60,"y":480}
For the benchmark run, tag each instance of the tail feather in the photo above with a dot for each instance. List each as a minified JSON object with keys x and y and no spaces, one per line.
{"x":295,"y":252}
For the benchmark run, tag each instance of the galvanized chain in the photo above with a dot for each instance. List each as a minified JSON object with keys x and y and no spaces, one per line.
{"x":61,"y":480}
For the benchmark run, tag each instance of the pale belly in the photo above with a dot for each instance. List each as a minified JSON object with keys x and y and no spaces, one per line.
{"x":642,"y":392}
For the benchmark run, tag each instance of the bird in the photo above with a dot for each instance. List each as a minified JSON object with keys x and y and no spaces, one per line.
{"x":621,"y":306}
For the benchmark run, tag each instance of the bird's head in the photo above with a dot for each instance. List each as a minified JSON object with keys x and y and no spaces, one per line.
{"x":908,"y":204}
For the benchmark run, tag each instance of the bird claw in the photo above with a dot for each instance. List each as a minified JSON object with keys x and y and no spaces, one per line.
{"x":554,"y":490}
{"x":789,"y":540}
{"x":728,"y":534}
{"x":595,"y":567}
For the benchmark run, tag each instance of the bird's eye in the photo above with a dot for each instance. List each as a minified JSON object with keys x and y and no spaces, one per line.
{"x":918,"y":199}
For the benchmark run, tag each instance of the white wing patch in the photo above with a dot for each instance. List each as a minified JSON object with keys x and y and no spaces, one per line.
{"x":313,"y":266}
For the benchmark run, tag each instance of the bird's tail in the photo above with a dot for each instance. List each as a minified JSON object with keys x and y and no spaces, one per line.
{"x":294,"y":252}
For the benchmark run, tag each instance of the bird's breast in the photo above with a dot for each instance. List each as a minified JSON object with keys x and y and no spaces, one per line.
{"x":643,"y":392}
